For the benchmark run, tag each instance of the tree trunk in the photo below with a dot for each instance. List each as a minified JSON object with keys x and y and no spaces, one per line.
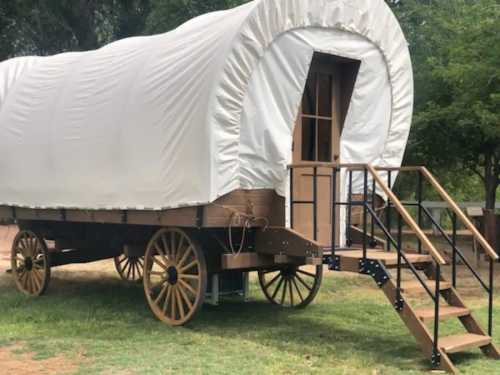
{"x":491,"y":181}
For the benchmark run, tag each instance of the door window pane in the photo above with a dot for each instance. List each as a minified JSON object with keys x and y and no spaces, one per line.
{"x":308,"y":139}
{"x":325,"y":140}
{"x":325,"y":95}
{"x":309,"y":99}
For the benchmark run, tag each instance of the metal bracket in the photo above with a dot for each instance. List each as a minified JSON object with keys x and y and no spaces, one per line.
{"x":200,"y":211}
{"x":399,"y":304}
{"x":436,"y":359}
{"x":124,"y":217}
{"x":333,"y":263}
{"x":375,"y":269}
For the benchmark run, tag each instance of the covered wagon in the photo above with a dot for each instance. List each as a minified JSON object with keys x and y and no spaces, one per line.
{"x":241,"y":141}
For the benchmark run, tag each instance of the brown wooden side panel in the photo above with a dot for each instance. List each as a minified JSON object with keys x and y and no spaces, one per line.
{"x":284,"y":241}
{"x":263,"y":203}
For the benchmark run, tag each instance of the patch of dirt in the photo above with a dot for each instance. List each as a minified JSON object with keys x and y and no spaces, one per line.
{"x":16,"y":362}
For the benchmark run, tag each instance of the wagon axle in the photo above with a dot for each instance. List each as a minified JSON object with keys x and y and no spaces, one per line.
{"x":172,"y":275}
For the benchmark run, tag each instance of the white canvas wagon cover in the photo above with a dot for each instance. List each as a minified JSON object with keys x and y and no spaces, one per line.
{"x":184,"y":117}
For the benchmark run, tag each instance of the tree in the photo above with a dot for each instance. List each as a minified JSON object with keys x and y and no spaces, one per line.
{"x":456,"y":54}
{"x":167,"y":15}
{"x":44,"y":27}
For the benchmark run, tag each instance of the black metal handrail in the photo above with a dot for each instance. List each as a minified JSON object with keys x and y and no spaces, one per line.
{"x":456,"y":252}
{"x":368,"y":206}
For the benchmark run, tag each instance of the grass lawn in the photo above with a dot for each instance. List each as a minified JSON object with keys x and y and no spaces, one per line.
{"x":105,"y":327}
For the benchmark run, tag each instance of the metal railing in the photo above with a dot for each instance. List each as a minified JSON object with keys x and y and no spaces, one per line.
{"x":368,"y":205}
{"x":423,"y":175}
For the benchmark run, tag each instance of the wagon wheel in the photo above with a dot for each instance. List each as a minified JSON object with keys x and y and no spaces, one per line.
{"x":130,"y":268}
{"x":175,"y":276}
{"x":291,"y":286}
{"x":30,"y":263}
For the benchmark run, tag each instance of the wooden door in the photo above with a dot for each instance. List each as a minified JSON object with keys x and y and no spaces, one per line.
{"x":317,"y":138}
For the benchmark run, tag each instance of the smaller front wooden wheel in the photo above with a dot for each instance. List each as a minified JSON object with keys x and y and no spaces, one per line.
{"x":30,"y":263}
{"x":291,"y":286}
{"x":175,"y":276}
{"x":130,"y":268}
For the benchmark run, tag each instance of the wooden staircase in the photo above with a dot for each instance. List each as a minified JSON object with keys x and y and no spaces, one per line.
{"x":416,"y":319}
{"x":386,"y":259}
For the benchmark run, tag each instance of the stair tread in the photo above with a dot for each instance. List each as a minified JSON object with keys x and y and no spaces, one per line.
{"x":444,"y":312}
{"x":416,"y":286}
{"x":461,"y":342}
{"x":388,"y":258}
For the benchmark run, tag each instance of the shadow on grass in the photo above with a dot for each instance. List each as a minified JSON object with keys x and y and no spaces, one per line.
{"x":109,"y":310}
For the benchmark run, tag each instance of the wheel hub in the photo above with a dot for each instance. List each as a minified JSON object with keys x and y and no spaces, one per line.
{"x":172,"y":275}
{"x":28,"y":263}
{"x":288,"y":272}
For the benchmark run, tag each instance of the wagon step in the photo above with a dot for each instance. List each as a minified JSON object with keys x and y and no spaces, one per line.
{"x":349,"y":259}
{"x":415,"y":287}
{"x":445,"y":312}
{"x":462,"y":342}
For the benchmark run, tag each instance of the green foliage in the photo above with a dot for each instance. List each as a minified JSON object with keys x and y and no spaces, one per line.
{"x":456,"y":55}
{"x":45,"y":27}
{"x":167,"y":15}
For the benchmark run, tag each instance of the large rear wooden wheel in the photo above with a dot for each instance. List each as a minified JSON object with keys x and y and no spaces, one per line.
{"x":291,"y":286}
{"x":30,"y":263}
{"x":175,"y":276}
{"x":130,"y":268}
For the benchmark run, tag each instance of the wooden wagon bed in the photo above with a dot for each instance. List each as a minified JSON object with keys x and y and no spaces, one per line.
{"x":263,"y":203}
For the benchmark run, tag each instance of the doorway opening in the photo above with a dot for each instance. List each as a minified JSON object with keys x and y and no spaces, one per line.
{"x":317,"y":134}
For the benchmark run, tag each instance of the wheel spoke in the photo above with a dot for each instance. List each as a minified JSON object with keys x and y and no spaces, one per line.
{"x":21,"y":276}
{"x":189,"y":266}
{"x":158,"y":262}
{"x":129,"y":264}
{"x":184,"y":256}
{"x":185,"y":297}
{"x":172,"y":305}
{"x":189,"y":276}
{"x":140,"y":270}
{"x":36,"y":283}
{"x":36,"y":247}
{"x":272,"y":281}
{"x":172,"y":246}
{"x":277,"y":288}
{"x":303,"y":282}
{"x":283,"y":294}
{"x":156,"y":273}
{"x":161,"y":294}
{"x":166,"y":248}
{"x":298,"y":290}
{"x":167,"y":298}
{"x":161,"y":253}
{"x":187,"y":286}
{"x":306,"y":273}
{"x":37,"y":275}
{"x":123,"y":259}
{"x":29,"y":282}
{"x":180,"y":305}
{"x":291,"y":292}
{"x":178,"y":251}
